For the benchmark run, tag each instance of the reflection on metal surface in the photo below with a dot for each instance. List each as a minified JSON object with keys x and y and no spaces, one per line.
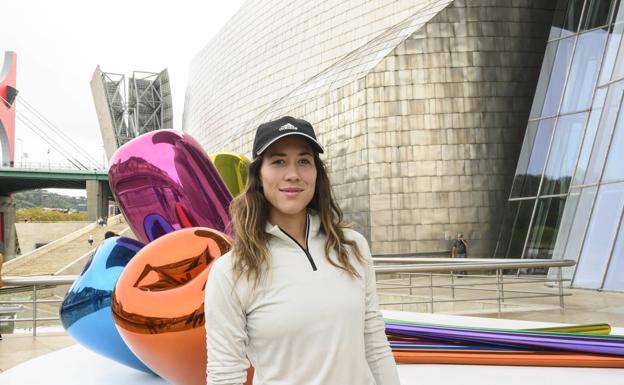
{"x":158,"y":303}
{"x":164,"y":181}
{"x":233,"y":170}
{"x":86,"y":309}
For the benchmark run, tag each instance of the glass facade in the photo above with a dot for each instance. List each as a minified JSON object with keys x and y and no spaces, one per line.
{"x":567,"y":197}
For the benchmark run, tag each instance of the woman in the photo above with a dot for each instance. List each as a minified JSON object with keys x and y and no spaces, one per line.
{"x":296,"y":294}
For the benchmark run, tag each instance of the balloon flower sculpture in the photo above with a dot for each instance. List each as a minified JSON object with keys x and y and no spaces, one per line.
{"x":142,"y":303}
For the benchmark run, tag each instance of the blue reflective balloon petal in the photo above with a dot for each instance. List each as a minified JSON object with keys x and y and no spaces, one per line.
{"x":86,"y":310}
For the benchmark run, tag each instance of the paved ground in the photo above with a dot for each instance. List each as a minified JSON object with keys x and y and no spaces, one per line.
{"x":583,"y":306}
{"x":580,"y":306}
{"x":67,"y":256}
{"x":17,"y":349}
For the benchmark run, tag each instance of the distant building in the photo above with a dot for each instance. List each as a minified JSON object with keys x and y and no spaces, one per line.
{"x":125,"y":112}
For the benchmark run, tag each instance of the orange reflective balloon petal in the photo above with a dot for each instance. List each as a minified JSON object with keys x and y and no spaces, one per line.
{"x":158,"y":303}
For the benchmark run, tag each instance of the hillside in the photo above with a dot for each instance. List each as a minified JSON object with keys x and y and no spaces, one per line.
{"x":43,"y":198}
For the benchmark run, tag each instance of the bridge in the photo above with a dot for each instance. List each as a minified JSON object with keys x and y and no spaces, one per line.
{"x":13,"y":179}
{"x":82,"y":171}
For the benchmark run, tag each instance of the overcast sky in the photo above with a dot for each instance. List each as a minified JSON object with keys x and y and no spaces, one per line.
{"x":59,"y":44}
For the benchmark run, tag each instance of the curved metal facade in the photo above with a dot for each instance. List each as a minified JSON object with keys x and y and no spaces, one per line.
{"x":421,"y":105}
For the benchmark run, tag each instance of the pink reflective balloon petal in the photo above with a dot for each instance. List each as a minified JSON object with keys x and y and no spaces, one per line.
{"x":165,"y":174}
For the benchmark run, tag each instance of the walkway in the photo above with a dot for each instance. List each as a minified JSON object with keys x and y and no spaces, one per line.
{"x":582,"y":307}
{"x":55,"y":257}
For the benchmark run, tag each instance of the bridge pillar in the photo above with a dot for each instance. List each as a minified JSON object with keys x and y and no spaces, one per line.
{"x":7,"y":227}
{"x":98,"y":195}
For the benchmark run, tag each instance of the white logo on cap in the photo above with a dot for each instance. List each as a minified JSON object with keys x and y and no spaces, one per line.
{"x":287,"y":126}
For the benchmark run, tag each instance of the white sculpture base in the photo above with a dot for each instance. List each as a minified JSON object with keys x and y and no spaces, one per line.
{"x":76,"y":365}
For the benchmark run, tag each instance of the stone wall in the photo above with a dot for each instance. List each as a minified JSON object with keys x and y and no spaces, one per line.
{"x":446,"y":113}
{"x":32,"y":233}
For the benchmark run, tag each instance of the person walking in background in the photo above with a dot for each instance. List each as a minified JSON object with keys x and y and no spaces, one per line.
{"x":90,"y":240}
{"x":460,"y":247}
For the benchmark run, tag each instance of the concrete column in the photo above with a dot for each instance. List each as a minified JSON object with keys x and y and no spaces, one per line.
{"x":98,"y":195}
{"x":7,"y":208}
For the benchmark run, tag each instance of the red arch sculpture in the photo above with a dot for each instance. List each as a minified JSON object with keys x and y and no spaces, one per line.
{"x":8,"y":93}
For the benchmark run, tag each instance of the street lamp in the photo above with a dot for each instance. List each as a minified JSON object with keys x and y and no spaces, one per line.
{"x":21,"y":142}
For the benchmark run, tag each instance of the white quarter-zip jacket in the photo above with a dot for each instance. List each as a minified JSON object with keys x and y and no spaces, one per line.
{"x":308,"y":323}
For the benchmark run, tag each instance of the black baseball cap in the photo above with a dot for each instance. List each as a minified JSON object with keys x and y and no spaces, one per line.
{"x":270,"y":132}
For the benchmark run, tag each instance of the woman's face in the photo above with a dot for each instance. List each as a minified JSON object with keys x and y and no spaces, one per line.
{"x":288,"y":177}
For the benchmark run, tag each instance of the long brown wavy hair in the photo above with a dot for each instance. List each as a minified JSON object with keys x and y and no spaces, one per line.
{"x":250,"y":211}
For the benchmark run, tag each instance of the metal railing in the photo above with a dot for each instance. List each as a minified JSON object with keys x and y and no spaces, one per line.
{"x":31,"y":284}
{"x":398,"y":276}
{"x":50,"y":166}
{"x":403,"y":277}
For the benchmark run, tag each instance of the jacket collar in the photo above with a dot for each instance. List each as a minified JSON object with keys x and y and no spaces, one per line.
{"x":314,"y":223}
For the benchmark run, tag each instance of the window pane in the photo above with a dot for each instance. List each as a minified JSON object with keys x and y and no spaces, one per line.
{"x":572,"y":17}
{"x":618,"y":67}
{"x":579,"y":225}
{"x":615,"y":38}
{"x":600,"y":236}
{"x":505,"y":229}
{"x":544,"y":228}
{"x":544,"y":79}
{"x":559,"y":15}
{"x":619,"y":12}
{"x":590,"y":135}
{"x":596,"y":13}
{"x":584,"y":71}
{"x":615,"y":161}
{"x":615,"y":278}
{"x":538,"y":157}
{"x":603,"y":135}
{"x":615,"y":7}
{"x":563,"y":154}
{"x":564,"y":229}
{"x":523,"y":160}
{"x":514,"y":229}
{"x":527,"y":182}
{"x":557,"y":77}
{"x":566,"y":223}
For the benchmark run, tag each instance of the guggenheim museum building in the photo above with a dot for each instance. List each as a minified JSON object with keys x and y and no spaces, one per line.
{"x":498,"y":119}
